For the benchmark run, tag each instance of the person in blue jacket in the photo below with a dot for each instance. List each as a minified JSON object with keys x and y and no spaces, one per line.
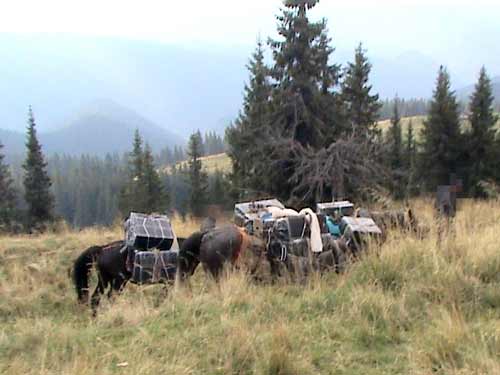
{"x":333,"y":227}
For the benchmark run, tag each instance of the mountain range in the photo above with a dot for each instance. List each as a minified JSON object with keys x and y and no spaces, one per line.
{"x":101,"y":127}
{"x":165,"y":90}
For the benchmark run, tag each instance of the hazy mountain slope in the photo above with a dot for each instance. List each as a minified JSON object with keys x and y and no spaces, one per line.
{"x":465,"y":92}
{"x":102,"y":126}
{"x":13,"y":142}
{"x":172,"y":86}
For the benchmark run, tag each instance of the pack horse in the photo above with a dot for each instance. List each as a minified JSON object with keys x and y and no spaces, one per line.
{"x":148,"y":254}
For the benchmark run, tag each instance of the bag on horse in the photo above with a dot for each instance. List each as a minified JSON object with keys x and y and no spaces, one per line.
{"x":143,"y":233}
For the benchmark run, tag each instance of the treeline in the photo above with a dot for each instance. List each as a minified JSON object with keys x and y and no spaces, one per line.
{"x":211,"y":144}
{"x":308,"y":127}
{"x":38,"y":192}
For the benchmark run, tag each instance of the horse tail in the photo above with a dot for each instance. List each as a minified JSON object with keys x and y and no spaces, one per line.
{"x":81,"y":270}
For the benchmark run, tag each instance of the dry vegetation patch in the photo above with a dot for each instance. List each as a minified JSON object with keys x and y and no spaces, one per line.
{"x":411,"y":307}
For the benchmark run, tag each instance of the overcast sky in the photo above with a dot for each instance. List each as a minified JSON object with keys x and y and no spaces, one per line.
{"x":453,"y":32}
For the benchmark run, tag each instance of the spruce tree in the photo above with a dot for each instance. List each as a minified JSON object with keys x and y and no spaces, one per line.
{"x":8,"y":194}
{"x":411,"y":147}
{"x":133,"y":196}
{"x":410,"y":160}
{"x":156,"y":199}
{"x":481,"y":140}
{"x":395,"y":153}
{"x":361,"y":107}
{"x":219,"y":189}
{"x":441,"y":138}
{"x":198,"y":179}
{"x":395,"y":139}
{"x":305,"y":78}
{"x":37,"y":182}
{"x":245,"y":135}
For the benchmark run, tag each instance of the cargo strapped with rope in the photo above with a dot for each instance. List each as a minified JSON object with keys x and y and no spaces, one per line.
{"x":145,"y":232}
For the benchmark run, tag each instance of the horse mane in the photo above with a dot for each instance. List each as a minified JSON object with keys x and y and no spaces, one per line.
{"x":112,"y":245}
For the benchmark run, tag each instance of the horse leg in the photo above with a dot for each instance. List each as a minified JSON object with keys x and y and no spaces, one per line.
{"x":117,"y":285}
{"x":96,"y":296}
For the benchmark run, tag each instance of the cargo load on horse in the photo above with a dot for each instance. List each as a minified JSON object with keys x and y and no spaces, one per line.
{"x":358,"y":231}
{"x":331,"y":214}
{"x":256,"y":216}
{"x":144,"y":232}
{"x":148,"y":241}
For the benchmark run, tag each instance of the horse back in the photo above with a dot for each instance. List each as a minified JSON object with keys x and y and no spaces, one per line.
{"x":223,"y":243}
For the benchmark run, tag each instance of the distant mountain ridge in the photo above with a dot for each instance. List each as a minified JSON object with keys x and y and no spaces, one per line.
{"x":101,"y":127}
{"x":179,"y":88}
{"x":465,"y":92}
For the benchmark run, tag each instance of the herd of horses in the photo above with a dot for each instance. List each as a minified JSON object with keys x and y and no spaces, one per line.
{"x":216,"y":249}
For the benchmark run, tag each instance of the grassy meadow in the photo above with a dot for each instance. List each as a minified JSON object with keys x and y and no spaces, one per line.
{"x":409,"y":307}
{"x":213,"y":163}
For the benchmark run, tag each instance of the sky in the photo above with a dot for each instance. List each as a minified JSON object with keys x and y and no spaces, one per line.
{"x":459,"y":33}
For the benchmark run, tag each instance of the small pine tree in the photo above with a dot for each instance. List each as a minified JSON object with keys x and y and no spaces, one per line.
{"x":156,"y":199}
{"x":133,"y":195}
{"x":395,"y":139}
{"x":37,"y":182}
{"x":441,"y":137}
{"x":362,"y":108}
{"x":198,"y":179}
{"x":219,"y":191}
{"x":410,"y":160}
{"x":8,"y":194}
{"x":395,"y":153}
{"x":481,"y":140}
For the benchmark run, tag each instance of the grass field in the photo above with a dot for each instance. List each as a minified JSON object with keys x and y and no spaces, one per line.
{"x":418,"y":124}
{"x":411,"y":307}
{"x":417,"y":121}
{"x":213,"y":163}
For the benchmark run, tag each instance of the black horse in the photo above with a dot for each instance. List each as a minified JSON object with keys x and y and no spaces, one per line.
{"x":111,"y":265}
{"x":217,"y":248}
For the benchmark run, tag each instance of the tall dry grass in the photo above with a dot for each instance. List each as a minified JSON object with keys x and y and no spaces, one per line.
{"x":414,"y":306}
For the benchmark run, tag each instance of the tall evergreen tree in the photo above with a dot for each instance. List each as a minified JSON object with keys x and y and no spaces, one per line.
{"x":8,"y":194}
{"x":362,"y":108}
{"x":304,"y":106}
{"x":441,"y":138}
{"x":481,"y":140}
{"x":304,"y":77}
{"x":156,"y":199}
{"x":244,"y":136}
{"x":198,"y":179}
{"x":37,"y":183}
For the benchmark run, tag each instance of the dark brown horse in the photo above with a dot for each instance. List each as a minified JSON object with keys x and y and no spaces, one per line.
{"x":112,"y":273}
{"x":216,"y":248}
